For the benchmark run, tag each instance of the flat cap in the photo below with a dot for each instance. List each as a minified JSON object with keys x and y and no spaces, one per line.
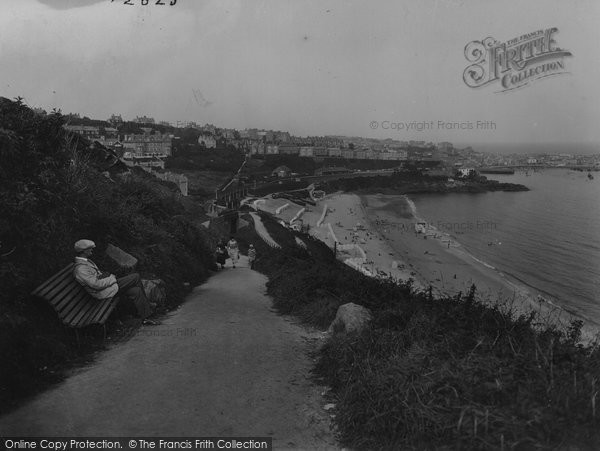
{"x":82,"y":245}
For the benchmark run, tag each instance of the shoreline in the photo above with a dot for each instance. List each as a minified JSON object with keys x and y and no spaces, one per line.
{"x":381,"y":227}
{"x":451,"y":268}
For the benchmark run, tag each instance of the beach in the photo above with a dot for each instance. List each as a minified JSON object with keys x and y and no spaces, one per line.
{"x":342,"y":218}
{"x":376,"y":235}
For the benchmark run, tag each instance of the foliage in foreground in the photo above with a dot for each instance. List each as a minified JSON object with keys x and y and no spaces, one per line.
{"x":438,"y":373}
{"x":52,"y":194}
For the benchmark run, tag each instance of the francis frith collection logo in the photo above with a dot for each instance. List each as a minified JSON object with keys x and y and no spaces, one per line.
{"x":516,"y":62}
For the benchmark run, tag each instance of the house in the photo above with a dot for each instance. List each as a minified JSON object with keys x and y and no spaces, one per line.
{"x":360,"y":154}
{"x":146,"y":162}
{"x":371,"y":155}
{"x":281,"y":171}
{"x":207,"y":140}
{"x":84,"y":130}
{"x":148,"y":144}
{"x":144,"y":120}
{"x":334,"y":152}
{"x":115,"y":119}
{"x":306,"y":151}
{"x":400,"y":154}
{"x":347,"y":154}
{"x":272,"y":149}
{"x":285,"y":149}
{"x":257,"y":148}
{"x":320,"y":152}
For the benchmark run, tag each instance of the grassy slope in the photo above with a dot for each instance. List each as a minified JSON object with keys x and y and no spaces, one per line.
{"x":437,"y":373}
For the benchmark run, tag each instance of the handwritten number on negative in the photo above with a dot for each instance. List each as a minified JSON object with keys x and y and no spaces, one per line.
{"x":146,"y":2}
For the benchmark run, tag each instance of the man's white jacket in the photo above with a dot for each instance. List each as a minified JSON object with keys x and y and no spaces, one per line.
{"x":87,"y":274}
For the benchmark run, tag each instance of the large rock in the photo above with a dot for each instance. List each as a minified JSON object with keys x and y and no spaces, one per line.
{"x":350,"y":318}
{"x":122,"y":258}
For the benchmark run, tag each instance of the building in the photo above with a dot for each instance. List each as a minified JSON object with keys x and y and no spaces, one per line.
{"x":282,"y":137}
{"x":257,"y":148}
{"x":209,"y":129}
{"x":400,"y":154}
{"x":360,"y":154}
{"x":272,"y":149}
{"x":334,"y":152}
{"x":144,"y":120}
{"x":115,"y":119}
{"x":207,"y":140}
{"x":285,"y":149}
{"x":146,"y":162}
{"x":86,"y":131}
{"x":371,"y":154}
{"x":347,"y":154}
{"x":307,"y":151}
{"x":148,"y":144}
{"x":320,"y":152}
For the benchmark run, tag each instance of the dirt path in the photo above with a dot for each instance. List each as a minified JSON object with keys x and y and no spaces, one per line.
{"x":224,"y":364}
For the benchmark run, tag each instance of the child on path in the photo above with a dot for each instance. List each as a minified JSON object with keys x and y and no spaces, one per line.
{"x":233,"y":251}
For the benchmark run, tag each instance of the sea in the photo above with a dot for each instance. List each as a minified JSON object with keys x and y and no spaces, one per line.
{"x":547,"y":238}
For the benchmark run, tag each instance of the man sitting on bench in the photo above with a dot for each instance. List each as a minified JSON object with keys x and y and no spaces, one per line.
{"x":103,"y":285}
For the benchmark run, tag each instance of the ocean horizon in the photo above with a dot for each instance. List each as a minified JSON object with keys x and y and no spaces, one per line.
{"x":551,"y":148}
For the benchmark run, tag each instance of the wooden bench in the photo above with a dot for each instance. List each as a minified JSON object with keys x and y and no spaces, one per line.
{"x":75,"y":307}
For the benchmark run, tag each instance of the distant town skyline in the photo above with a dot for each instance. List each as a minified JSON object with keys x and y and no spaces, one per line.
{"x":309,"y":68}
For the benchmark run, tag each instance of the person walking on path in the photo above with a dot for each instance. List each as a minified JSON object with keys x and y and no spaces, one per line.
{"x":233,"y":250}
{"x":251,"y":256}
{"x":221,"y":254}
{"x":103,"y":285}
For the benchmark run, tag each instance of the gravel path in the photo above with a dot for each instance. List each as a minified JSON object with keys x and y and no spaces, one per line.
{"x":223,"y":364}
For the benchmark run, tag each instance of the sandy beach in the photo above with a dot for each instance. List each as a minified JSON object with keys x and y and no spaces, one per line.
{"x":345,"y":221}
{"x":376,"y":234}
{"x":439,"y":261}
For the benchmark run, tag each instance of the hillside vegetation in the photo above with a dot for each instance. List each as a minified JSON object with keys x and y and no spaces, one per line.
{"x":431,"y":373}
{"x":413,"y":182}
{"x":53,"y":191}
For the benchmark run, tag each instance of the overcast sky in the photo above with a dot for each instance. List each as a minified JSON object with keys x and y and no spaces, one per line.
{"x":309,"y":67}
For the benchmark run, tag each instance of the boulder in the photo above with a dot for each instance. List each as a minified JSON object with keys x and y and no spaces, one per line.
{"x":120,"y":257}
{"x":350,"y":318}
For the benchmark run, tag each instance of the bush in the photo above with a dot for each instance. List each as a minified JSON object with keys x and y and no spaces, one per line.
{"x":434,"y":373}
{"x":52,"y":194}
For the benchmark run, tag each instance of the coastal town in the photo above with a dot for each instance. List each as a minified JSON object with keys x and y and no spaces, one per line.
{"x":148,"y":143}
{"x":299,"y":225}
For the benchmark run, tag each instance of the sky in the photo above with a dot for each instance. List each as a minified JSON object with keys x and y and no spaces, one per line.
{"x":327,"y":67}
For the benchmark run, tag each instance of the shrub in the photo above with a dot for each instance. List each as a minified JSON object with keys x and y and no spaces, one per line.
{"x":431,"y":373}
{"x":52,"y":194}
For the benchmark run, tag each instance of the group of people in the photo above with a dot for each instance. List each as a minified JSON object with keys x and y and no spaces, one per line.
{"x":231,"y":250}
